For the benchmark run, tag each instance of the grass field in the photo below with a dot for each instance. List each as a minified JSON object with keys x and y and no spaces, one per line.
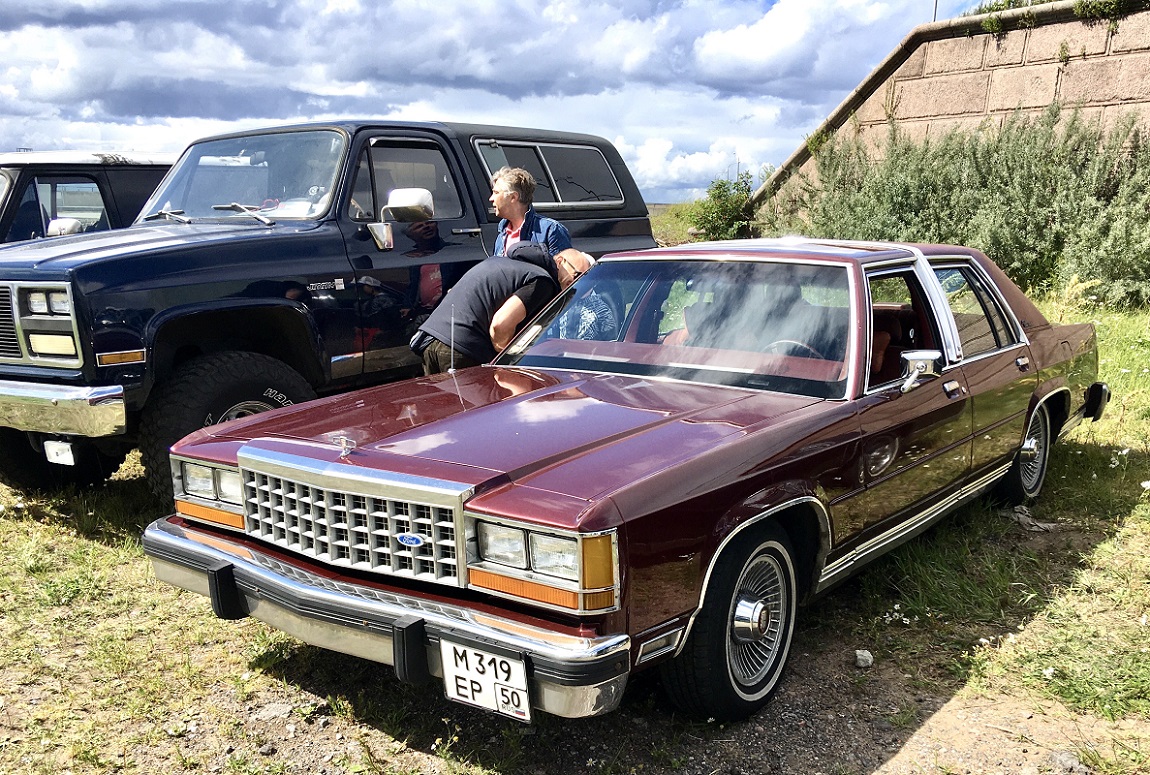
{"x":103,"y":669}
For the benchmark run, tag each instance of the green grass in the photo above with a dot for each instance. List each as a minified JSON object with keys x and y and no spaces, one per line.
{"x":106,"y":670}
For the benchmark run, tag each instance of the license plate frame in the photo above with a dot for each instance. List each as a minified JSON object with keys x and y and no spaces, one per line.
{"x":485,"y":679}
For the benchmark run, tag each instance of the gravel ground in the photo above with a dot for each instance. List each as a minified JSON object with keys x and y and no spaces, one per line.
{"x":830,"y":717}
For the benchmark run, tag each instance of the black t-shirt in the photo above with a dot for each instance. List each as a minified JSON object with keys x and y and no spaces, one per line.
{"x":463,"y":318}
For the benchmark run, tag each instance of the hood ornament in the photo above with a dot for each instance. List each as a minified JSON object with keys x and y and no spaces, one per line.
{"x":346,"y":445}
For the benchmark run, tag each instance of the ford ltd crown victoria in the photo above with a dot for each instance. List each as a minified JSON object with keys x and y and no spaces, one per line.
{"x":750,"y":423}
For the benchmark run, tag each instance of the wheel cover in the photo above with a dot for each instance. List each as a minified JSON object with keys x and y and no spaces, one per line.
{"x":755,"y":634}
{"x":1033,"y":468}
{"x":242,"y":409}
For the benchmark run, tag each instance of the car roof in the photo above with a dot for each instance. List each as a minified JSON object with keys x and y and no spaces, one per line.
{"x":83,"y":158}
{"x":463,"y":131}
{"x":798,"y":248}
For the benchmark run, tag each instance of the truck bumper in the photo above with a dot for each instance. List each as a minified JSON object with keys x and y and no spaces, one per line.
{"x":74,"y":411}
{"x":568,"y":676}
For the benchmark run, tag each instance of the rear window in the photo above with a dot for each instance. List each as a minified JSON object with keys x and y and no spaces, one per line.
{"x":564,"y":174}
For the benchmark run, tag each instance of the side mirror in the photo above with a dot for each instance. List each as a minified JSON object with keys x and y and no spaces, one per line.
{"x":404,"y":205}
{"x":917,"y":364}
{"x":58,"y":227}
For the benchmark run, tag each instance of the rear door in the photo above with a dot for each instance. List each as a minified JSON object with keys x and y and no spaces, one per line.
{"x":995,"y":361}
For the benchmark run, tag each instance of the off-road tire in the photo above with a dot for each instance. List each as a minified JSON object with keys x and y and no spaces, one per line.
{"x":731,"y":664}
{"x":24,"y":467}
{"x":210,"y":389}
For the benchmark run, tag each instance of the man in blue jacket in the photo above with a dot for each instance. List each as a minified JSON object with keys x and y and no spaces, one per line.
{"x":512,"y":192}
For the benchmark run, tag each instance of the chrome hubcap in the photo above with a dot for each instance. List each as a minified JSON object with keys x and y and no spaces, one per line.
{"x":1033,"y":448}
{"x":756,"y":621}
{"x":243,"y":409}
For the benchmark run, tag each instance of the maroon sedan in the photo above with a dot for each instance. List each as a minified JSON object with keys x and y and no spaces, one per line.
{"x":678,"y":451}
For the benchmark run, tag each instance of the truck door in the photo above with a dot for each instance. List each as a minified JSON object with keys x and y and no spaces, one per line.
{"x":397,"y":288}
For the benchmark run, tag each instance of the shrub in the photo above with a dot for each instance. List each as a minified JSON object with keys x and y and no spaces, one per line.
{"x":1047,"y":197}
{"x":726,"y":213}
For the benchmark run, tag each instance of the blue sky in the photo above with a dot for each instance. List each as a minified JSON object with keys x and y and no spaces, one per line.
{"x":688,"y":90}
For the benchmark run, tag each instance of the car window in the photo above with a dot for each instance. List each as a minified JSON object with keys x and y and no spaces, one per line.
{"x":982,"y":326}
{"x":405,"y":164}
{"x":74,"y":197}
{"x":899,"y":321}
{"x":766,"y":325}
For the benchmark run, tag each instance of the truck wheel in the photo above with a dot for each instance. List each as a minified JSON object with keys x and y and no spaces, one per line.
{"x":734,"y":657}
{"x":1023,"y":481}
{"x":208,"y":390}
{"x":24,"y":467}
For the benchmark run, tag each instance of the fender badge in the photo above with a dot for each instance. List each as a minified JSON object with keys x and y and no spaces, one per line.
{"x":411,"y":539}
{"x":346,"y":445}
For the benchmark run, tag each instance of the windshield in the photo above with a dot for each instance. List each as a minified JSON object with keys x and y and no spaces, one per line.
{"x":765,"y":325}
{"x":277,"y":175}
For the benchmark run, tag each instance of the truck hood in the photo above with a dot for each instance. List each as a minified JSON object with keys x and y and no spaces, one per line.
{"x":59,"y":255}
{"x":578,"y":435}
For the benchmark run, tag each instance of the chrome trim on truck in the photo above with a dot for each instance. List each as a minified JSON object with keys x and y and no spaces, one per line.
{"x":77,"y":411}
{"x":569,"y":676}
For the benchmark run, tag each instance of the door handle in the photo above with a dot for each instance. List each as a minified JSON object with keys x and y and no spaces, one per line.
{"x":466,"y":231}
{"x":953,"y":389}
{"x":1023,"y":363}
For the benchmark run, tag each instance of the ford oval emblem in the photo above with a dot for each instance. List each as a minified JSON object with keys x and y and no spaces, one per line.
{"x":411,"y":539}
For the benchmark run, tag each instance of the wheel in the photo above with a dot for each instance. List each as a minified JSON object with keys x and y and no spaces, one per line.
{"x":782,"y":346}
{"x":24,"y":467}
{"x":208,"y":390}
{"x":734,"y":657}
{"x":1024,"y":480}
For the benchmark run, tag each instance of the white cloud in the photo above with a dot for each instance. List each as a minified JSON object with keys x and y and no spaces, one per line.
{"x":690,"y":89}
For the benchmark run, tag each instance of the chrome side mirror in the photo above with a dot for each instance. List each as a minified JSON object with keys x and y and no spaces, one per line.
{"x":917,"y":364}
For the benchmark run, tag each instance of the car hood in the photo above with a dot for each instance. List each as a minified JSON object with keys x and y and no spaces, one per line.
{"x":579,"y":435}
{"x":59,"y":255}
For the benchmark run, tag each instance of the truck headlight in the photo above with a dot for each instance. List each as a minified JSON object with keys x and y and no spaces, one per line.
{"x":38,"y":303}
{"x":59,"y":303}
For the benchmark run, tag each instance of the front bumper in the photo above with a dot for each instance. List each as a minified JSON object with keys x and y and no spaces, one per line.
{"x":75,"y":411}
{"x":568,"y":676}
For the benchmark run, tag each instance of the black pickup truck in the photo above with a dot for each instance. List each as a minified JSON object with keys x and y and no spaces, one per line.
{"x":268,"y":267}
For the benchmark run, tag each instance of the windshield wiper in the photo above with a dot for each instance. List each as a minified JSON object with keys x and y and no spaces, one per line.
{"x":246,"y":210}
{"x":170,"y":215}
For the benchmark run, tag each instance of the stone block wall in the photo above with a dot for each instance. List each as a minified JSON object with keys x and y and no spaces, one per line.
{"x":955,"y":75}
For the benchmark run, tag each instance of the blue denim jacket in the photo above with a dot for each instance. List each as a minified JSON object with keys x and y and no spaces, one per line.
{"x":537,"y":228}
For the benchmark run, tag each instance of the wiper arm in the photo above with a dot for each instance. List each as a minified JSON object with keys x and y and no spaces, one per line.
{"x":246,"y":210}
{"x":170,"y":215}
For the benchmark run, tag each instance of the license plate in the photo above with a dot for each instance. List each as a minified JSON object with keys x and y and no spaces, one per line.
{"x":477,"y":677}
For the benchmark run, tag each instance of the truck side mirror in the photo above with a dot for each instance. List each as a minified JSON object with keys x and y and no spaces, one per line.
{"x":404,"y":205}
{"x":917,"y":364}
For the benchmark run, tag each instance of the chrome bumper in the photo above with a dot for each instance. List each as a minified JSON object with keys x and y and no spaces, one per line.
{"x":568,"y":676}
{"x":76,"y":411}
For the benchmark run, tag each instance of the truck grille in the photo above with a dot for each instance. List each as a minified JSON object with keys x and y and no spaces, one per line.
{"x":397,"y":537}
{"x":9,"y":341}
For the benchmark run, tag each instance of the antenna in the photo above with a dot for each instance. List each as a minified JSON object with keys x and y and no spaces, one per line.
{"x":451,"y":361}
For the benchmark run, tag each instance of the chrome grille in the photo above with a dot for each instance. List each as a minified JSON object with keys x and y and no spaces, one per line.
{"x":9,"y":341}
{"x":353,"y":530}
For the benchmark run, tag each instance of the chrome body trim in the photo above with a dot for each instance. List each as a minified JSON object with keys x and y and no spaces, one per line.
{"x":904,"y":531}
{"x":571,"y":676}
{"x":824,"y":532}
{"x":74,"y":411}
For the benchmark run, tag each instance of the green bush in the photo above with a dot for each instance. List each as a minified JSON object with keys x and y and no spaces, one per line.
{"x":727,"y":212}
{"x":1048,"y":198}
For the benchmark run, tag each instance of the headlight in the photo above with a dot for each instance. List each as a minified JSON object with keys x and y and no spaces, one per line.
{"x":52,"y":344}
{"x":59,"y":303}
{"x":555,"y":556}
{"x":504,"y":545}
{"x":213,"y":483}
{"x":199,"y":481}
{"x":38,"y":303}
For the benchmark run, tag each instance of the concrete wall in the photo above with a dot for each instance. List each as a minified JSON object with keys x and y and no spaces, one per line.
{"x":953,"y":74}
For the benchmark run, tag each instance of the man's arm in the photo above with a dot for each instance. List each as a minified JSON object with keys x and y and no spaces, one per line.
{"x":507,"y":318}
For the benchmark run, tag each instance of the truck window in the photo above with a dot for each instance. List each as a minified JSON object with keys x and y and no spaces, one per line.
{"x":405,"y":164}
{"x":497,"y":155}
{"x":565,"y":174}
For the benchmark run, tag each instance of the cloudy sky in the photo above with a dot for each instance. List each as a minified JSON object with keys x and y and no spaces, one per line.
{"x":689,"y":90}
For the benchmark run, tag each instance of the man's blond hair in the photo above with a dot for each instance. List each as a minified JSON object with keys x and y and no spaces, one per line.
{"x":518,"y":180}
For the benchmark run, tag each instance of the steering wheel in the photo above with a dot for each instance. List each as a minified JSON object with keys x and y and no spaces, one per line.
{"x":782,"y":345}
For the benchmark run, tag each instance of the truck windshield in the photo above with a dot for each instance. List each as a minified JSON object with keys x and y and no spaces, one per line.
{"x":277,"y":175}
